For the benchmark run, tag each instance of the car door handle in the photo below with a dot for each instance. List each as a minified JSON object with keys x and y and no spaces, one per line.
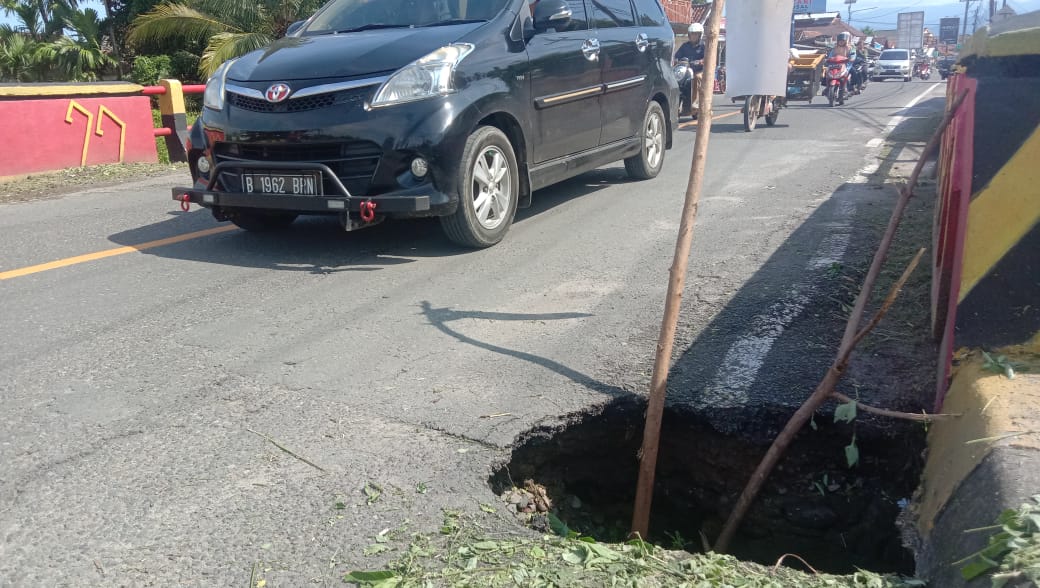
{"x":590,"y":49}
{"x":642,"y":42}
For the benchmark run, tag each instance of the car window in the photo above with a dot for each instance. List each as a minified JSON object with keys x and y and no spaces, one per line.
{"x":579,"y":20}
{"x":608,"y":14}
{"x":650,"y":13}
{"x":894,"y":56}
{"x":350,"y":15}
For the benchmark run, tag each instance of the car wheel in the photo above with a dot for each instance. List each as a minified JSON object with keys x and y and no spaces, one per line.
{"x":648,"y":162}
{"x":489,"y":185}
{"x":906,"y":79}
{"x":259,"y":221}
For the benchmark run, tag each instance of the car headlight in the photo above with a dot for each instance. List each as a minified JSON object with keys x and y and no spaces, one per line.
{"x":427,"y":77}
{"x":214,"y":94}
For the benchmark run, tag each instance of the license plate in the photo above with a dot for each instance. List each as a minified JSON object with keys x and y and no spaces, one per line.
{"x":296,"y":183}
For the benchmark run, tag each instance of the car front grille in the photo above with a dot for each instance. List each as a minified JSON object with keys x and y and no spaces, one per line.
{"x":348,"y":98}
{"x":353,"y":162}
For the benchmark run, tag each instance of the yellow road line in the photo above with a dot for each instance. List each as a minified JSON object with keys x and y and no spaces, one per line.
{"x":693,"y":123}
{"x":35,"y":269}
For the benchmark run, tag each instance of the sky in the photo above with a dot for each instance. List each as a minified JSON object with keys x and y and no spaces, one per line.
{"x":879,"y":14}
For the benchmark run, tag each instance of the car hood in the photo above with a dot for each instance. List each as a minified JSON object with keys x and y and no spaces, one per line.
{"x":894,"y":62}
{"x":343,"y":55}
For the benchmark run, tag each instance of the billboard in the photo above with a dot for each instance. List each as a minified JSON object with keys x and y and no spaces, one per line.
{"x":808,"y":6}
{"x":910,"y":30}
{"x":949,"y":29}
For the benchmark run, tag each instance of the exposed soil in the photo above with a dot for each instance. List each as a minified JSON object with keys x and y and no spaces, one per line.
{"x":835,"y":518}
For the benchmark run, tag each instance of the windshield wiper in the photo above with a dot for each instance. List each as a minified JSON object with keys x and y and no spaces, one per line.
{"x":454,"y":21}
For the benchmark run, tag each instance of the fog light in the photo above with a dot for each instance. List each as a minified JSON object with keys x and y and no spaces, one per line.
{"x":203,"y":165}
{"x":420,"y":167}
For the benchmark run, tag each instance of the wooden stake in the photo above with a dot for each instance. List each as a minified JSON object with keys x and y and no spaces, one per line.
{"x":848,"y":342}
{"x":676,"y":282}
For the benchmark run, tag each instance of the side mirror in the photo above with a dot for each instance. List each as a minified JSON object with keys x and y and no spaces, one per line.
{"x":294,"y":27}
{"x":552,"y":14}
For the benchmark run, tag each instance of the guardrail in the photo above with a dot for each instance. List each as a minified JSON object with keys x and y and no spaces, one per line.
{"x":171,"y":108}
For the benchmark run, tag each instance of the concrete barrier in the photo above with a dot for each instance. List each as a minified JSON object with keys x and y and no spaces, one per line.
{"x":985,"y":296}
{"x":56,"y":126}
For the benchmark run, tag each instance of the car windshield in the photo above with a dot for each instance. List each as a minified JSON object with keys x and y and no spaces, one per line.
{"x":360,"y":15}
{"x":894,"y":56}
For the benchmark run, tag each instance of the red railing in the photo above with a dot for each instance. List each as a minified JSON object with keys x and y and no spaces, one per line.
{"x":161,"y":91}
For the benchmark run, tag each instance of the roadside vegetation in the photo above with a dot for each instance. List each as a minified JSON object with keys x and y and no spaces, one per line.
{"x":136,"y":40}
{"x":465,"y":553}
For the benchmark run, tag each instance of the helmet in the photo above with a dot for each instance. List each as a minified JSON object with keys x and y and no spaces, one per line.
{"x":844,"y":36}
{"x":695,"y":28}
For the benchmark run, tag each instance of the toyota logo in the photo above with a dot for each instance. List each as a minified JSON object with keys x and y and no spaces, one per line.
{"x":277,"y":93}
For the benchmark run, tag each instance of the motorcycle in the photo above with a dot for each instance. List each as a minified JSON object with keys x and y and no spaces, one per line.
{"x":836,"y":80}
{"x":759,"y":106}
{"x":923,"y":70}
{"x":862,"y":74}
{"x":684,"y":75}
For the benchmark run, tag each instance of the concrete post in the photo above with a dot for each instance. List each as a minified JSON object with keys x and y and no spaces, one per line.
{"x":171,"y":107}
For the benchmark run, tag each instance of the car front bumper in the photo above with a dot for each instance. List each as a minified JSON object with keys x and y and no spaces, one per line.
{"x":407,"y":202}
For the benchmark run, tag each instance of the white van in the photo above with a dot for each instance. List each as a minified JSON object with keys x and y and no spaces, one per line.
{"x":893,"y":63}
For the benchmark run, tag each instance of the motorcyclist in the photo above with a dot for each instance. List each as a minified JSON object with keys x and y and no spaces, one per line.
{"x":859,"y":67}
{"x":693,"y":51}
{"x":842,"y":48}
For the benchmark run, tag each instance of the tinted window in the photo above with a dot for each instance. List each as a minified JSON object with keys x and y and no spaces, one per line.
{"x":894,"y":56}
{"x":579,"y":20}
{"x":612,"y":13}
{"x":650,"y":13}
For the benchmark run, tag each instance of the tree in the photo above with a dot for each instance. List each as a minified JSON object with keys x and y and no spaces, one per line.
{"x":868,"y":31}
{"x":224,"y":28}
{"x":80,"y":55}
{"x":36,"y":48}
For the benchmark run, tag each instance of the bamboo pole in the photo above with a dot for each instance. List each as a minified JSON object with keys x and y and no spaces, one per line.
{"x":852,"y":336}
{"x":676,"y":282}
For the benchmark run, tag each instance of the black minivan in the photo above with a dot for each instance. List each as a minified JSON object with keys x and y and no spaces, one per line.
{"x":452,"y":108}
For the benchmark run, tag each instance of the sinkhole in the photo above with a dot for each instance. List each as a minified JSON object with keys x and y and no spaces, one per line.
{"x":834,"y":517}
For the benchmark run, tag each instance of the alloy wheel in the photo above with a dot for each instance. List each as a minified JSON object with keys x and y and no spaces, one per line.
{"x":492,"y":188}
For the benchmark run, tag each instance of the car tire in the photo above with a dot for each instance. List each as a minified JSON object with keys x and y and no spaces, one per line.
{"x":258,"y":221}
{"x":906,"y":79}
{"x":489,"y":188}
{"x":650,"y":159}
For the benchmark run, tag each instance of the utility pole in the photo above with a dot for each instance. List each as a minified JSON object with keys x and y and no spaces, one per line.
{"x":964,"y":33}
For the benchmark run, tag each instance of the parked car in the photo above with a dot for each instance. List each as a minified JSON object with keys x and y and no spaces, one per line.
{"x":893,"y":63}
{"x":458,"y":109}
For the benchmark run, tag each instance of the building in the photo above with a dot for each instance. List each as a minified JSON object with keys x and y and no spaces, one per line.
{"x":821,"y":29}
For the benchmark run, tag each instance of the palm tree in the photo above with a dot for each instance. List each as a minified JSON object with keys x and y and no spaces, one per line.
{"x":225,"y":28}
{"x":81,"y":55}
{"x":20,"y":57}
{"x":868,"y":31}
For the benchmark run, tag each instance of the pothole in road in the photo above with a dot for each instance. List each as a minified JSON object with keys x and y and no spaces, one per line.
{"x":837,"y":519}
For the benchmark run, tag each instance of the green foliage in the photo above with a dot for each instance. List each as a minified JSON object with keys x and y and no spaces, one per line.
{"x":225,"y":28}
{"x":1000,"y":364}
{"x":148,"y":70}
{"x":1012,"y":555}
{"x":465,"y":556}
{"x":52,"y":41}
{"x":845,"y":412}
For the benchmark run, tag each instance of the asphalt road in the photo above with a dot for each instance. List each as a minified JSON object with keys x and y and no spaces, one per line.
{"x":144,"y":364}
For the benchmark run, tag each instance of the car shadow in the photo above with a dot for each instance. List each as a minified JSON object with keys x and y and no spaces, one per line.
{"x":318,"y":244}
